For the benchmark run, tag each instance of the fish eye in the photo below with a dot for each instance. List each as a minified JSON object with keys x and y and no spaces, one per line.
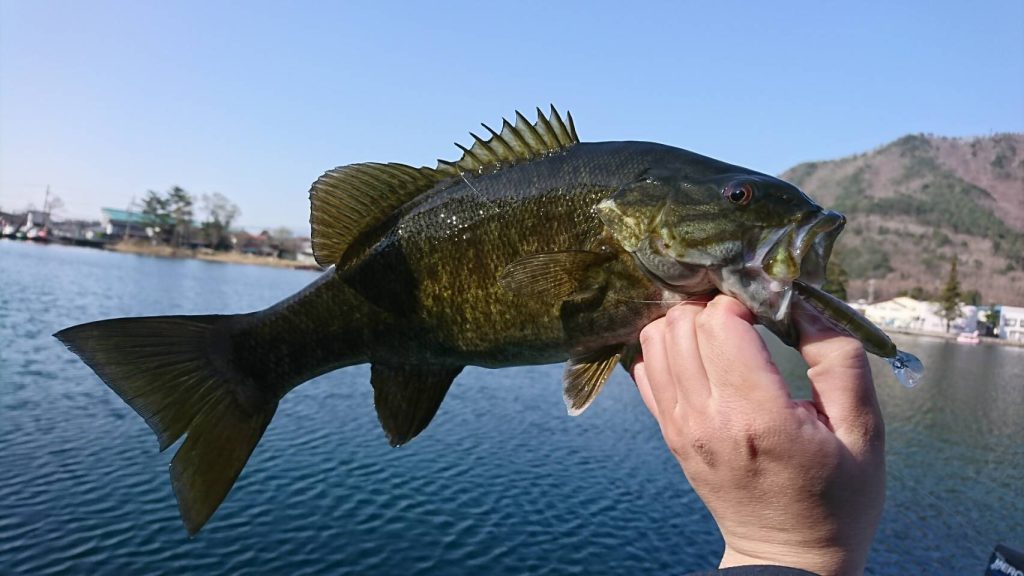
{"x":739,"y":193}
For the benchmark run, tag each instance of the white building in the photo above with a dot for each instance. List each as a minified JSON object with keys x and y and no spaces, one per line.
{"x":1011,"y":323}
{"x":905,"y":313}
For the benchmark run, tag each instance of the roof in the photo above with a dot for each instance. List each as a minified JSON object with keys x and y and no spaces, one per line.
{"x":900,"y":303}
{"x":139,"y":218}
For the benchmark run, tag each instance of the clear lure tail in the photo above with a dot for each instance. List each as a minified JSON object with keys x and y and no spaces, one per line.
{"x":908,"y":368}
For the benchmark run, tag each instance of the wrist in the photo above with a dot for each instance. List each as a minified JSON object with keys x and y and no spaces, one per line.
{"x":826,"y":561}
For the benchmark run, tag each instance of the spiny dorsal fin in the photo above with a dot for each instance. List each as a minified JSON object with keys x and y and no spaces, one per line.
{"x":514,"y":144}
{"x":585,"y":377}
{"x":408,"y":396}
{"x":349,"y":200}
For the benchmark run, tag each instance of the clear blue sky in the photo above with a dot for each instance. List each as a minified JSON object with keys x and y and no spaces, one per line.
{"x":104,"y":100}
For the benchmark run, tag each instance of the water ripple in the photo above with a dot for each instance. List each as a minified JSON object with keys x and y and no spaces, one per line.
{"x":501,"y":483}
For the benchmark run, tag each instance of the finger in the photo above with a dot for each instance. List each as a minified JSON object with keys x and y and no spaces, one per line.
{"x":656,"y":369}
{"x":839,"y":372}
{"x":685,"y":362}
{"x":737,"y":362}
{"x":644,"y":387}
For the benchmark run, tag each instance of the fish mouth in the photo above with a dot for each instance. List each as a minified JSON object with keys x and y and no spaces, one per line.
{"x":798,"y":251}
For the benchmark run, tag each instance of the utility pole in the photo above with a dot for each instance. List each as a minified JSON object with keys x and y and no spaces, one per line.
{"x":871,"y":291}
{"x":46,"y":208}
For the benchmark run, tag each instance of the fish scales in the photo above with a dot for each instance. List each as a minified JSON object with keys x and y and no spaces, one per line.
{"x":459,"y":239}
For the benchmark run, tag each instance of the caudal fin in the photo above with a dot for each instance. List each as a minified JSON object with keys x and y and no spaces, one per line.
{"x":176,"y":372}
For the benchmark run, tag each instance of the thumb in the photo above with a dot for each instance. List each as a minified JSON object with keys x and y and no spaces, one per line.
{"x":840,"y":375}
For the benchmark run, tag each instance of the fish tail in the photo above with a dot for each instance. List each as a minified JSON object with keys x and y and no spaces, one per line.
{"x":177,"y":373}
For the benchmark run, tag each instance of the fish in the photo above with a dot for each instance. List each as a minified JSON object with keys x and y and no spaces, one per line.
{"x":532,"y":248}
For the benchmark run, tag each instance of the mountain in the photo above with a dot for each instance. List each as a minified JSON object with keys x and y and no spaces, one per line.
{"x":916,"y":203}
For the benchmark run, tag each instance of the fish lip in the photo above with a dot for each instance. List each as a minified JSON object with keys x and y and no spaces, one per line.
{"x":812,"y":237}
{"x":808,"y":243}
{"x":812,"y":245}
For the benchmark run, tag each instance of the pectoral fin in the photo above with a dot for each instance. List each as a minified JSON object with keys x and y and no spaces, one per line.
{"x":585,"y":376}
{"x":407,"y":397}
{"x":553,"y":275}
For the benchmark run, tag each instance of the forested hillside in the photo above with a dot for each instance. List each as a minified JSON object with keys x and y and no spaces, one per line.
{"x":916,"y":203}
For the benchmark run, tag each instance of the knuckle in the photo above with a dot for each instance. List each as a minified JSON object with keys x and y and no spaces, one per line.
{"x":707,"y":320}
{"x":720,"y":304}
{"x":753,"y":440}
{"x":699,"y":445}
{"x":724,"y":306}
{"x":650,"y":333}
{"x":676,"y":315}
{"x":845,"y":352}
{"x":675,"y":440}
{"x":757,"y":439}
{"x":703,"y":449}
{"x":850,"y":349}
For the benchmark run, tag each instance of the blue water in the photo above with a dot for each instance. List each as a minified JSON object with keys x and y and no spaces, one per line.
{"x":502,"y":482}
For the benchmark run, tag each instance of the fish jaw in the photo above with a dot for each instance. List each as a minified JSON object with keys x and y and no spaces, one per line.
{"x":763,"y":279}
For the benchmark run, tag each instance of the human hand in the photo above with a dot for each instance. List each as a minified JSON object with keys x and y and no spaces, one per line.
{"x":792,"y":483}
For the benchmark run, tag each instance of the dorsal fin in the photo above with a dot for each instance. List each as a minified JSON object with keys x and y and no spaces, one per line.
{"x":349,"y":200}
{"x":515,"y":144}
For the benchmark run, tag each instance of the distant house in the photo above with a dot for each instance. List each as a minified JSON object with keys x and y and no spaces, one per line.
{"x":36,"y":219}
{"x":30,"y":224}
{"x":304,"y":254}
{"x":124,"y":224}
{"x":77,"y":230}
{"x":905,"y":313}
{"x":262,"y":244}
{"x":10,"y":223}
{"x":1011,"y":323}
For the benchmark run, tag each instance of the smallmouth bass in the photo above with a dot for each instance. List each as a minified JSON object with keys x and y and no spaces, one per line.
{"x":532,"y":248}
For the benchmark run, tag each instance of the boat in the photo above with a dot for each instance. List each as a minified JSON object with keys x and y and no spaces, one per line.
{"x":970,"y":338}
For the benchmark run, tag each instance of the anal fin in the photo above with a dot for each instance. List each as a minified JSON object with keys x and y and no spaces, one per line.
{"x":408,"y":396}
{"x":585,"y":377}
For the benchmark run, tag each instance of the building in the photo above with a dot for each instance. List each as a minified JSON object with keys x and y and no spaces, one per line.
{"x":32,"y":225}
{"x":304,"y":255}
{"x":1011,"y":323}
{"x":124,"y":224}
{"x":10,"y":223}
{"x":905,"y":313}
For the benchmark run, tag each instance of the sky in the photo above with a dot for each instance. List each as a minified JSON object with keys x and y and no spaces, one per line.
{"x":102,"y":101}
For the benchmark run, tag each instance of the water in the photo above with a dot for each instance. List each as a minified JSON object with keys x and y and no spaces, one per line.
{"x":503,"y":482}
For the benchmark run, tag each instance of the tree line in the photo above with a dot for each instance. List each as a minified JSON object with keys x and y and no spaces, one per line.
{"x":173,"y":216}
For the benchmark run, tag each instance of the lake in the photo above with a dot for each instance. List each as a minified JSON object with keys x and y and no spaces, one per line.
{"x":502,"y":482}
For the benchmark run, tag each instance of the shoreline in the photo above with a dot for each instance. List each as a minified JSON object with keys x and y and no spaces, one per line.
{"x":145,"y":249}
{"x":952,"y":337}
{"x":208,"y":256}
